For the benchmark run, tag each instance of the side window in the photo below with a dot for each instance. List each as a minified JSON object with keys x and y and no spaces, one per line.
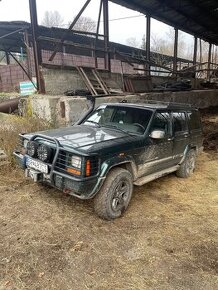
{"x":194,"y":120}
{"x":161,"y":121}
{"x":179,"y":122}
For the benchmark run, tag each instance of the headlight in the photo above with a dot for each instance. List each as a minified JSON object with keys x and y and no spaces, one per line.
{"x":76,"y":161}
{"x":44,"y":153}
{"x":31,"y":148}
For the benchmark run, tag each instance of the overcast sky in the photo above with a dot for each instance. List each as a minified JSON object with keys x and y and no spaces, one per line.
{"x":120,"y":30}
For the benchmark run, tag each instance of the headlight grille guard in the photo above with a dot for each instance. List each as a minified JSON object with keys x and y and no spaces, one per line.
{"x":58,"y":148}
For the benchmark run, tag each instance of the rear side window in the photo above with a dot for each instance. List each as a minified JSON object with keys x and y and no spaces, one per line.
{"x":194,"y":120}
{"x":179,"y":122}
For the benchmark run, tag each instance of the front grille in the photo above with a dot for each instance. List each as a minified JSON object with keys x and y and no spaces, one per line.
{"x":62,"y":161}
{"x":63,"y":164}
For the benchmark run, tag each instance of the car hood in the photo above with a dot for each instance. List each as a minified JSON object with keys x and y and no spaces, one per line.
{"x":85,"y":137}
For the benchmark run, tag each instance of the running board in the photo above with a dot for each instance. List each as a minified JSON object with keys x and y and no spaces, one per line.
{"x":145,"y":179}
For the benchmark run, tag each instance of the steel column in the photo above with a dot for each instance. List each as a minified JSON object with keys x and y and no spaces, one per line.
{"x":26,"y":41}
{"x":97,"y":31}
{"x":36,"y":47}
{"x":209,"y":60}
{"x":148,"y":42}
{"x":7,"y":57}
{"x":175,"y":51}
{"x":195,"y":50}
{"x":106,"y":35}
{"x":195,"y":54}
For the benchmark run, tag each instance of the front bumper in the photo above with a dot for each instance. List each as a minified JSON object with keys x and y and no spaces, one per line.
{"x":82,"y":188}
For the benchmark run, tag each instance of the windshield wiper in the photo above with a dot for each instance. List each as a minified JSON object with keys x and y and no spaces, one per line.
{"x":117,"y":128}
{"x":92,"y":122}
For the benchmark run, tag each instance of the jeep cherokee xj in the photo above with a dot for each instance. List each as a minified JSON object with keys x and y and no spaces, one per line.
{"x":112,"y":148}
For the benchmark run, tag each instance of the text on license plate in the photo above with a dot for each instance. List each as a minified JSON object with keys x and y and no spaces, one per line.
{"x":37,"y":165}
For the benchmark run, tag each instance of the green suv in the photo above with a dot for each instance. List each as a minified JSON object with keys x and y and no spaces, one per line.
{"x":112,"y":148}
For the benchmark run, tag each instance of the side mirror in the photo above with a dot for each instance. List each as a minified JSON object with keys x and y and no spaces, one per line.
{"x":157,"y":134}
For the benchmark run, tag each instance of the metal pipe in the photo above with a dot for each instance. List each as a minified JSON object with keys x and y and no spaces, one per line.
{"x":9,"y":106}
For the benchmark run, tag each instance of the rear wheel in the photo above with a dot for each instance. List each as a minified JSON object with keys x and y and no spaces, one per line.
{"x":188,"y":166}
{"x":115,"y":194}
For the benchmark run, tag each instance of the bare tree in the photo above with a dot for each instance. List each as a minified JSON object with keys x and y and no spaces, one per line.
{"x":52,"y":19}
{"x":132,"y":41}
{"x":86,"y":24}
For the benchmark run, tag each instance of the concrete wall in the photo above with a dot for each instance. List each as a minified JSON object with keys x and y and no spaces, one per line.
{"x":63,"y":110}
{"x":58,"y":81}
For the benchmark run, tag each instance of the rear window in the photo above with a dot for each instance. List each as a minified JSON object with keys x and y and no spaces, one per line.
{"x":194,"y":120}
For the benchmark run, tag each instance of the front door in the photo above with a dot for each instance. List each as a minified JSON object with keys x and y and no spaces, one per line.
{"x":158,"y":153}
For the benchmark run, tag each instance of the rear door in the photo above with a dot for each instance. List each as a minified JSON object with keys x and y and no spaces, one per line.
{"x":181,"y":135}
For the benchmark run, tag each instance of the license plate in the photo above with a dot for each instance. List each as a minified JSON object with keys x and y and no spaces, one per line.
{"x":37,"y":165}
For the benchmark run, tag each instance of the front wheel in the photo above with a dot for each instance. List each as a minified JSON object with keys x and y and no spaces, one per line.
{"x":115,"y":194}
{"x":188,"y":166}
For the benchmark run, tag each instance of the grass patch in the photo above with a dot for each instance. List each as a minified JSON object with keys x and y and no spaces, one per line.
{"x":10,"y":128}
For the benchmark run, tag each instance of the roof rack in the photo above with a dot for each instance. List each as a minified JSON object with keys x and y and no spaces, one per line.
{"x":173,"y":104}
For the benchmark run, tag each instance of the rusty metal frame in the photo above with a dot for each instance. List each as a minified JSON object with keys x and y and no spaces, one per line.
{"x":103,"y":7}
{"x":70,"y":28}
{"x":36,"y":47}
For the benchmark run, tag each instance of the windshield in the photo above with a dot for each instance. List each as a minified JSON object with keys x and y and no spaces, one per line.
{"x":128,"y":119}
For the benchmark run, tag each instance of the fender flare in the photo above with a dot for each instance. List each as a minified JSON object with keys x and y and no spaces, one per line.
{"x":109,"y":164}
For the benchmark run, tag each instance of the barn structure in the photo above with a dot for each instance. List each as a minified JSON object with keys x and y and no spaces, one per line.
{"x":60,"y":61}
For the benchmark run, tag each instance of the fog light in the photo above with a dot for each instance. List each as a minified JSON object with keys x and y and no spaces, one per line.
{"x":31,"y":148}
{"x":44,"y":153}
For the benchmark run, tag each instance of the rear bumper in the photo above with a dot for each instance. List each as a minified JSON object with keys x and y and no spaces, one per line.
{"x":82,"y":188}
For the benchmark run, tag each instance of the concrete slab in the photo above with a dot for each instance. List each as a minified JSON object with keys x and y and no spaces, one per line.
{"x":66,"y":110}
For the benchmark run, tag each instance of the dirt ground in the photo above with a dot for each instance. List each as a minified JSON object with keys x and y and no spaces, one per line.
{"x":168,"y":238}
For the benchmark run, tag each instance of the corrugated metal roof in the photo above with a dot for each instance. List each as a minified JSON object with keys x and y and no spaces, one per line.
{"x":197,"y":17}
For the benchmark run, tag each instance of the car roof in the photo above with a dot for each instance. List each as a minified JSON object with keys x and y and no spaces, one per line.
{"x":153,"y":105}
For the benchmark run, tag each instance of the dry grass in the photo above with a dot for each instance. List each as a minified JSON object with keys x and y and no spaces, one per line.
{"x":166,"y":240}
{"x":12,"y":126}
